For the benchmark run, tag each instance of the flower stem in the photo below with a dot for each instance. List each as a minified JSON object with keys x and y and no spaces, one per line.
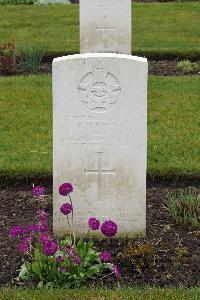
{"x":74,"y":237}
{"x":69,"y":227}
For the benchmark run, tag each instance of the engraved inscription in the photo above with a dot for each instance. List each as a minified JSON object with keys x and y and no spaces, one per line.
{"x":100,"y":171}
{"x":99,"y":90}
{"x":92,"y":132}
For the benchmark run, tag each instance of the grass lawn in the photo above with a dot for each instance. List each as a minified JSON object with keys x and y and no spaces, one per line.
{"x":158,"y":28}
{"x":121,"y":294}
{"x":26,"y":126}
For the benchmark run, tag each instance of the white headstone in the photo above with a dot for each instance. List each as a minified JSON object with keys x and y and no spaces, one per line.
{"x":105,"y":26}
{"x":100,"y":139}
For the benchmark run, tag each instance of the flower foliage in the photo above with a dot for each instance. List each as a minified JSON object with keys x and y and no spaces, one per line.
{"x":66,"y":262}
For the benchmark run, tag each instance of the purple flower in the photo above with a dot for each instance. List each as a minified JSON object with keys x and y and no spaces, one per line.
{"x":59,"y":258}
{"x":63,"y":269}
{"x":66,"y":208}
{"x":105,"y":256}
{"x":74,"y":256}
{"x":117,"y":271}
{"x":31,"y":228}
{"x":44,"y":237}
{"x":65,"y":189}
{"x":35,"y":228}
{"x":38,"y":191}
{"x":76,"y":260}
{"x":70,"y":251}
{"x":93,"y":223}
{"x":27,"y":229}
{"x":15,"y":231}
{"x":50,"y":248}
{"x":23,"y":247}
{"x":109,"y":228}
{"x":42,"y":227}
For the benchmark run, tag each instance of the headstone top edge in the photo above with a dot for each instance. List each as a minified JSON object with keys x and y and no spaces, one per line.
{"x":99,"y":55}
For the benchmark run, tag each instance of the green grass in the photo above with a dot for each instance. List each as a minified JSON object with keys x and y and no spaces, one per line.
{"x":158,"y":28}
{"x":26,"y":126}
{"x":103,"y":294}
{"x":174,"y":126}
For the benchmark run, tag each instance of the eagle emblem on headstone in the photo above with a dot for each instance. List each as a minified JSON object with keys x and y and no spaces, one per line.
{"x":99,"y":90}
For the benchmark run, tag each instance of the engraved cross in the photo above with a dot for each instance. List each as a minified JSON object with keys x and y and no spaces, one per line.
{"x":104,"y":29}
{"x":100,"y":171}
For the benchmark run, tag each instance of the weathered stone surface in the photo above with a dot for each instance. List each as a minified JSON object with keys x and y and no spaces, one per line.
{"x":105,"y":26}
{"x":100,"y":139}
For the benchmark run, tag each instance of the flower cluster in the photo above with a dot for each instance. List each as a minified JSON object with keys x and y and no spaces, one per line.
{"x":66,"y":258}
{"x":108,"y":228}
{"x":25,"y":232}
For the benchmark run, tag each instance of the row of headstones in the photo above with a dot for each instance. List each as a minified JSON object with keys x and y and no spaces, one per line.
{"x":100,"y":122}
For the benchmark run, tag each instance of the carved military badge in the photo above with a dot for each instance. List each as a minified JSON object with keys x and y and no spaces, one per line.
{"x":99,"y":90}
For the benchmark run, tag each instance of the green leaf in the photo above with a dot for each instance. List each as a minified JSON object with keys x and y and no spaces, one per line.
{"x":106,"y":266}
{"x":93,"y":270}
{"x":40,"y":285}
{"x":66,"y":242}
{"x":24,"y":274}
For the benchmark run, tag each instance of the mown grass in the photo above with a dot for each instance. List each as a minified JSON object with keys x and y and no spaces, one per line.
{"x":158,"y":28}
{"x":102,"y":294}
{"x":26,"y":126}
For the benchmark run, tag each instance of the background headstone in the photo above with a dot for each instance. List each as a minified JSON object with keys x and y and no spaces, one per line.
{"x":105,"y":26}
{"x":100,"y":139}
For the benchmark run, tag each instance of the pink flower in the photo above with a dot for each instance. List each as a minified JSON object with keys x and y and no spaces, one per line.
{"x":65,"y":189}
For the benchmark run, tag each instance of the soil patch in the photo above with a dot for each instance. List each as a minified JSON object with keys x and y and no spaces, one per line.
{"x":176,"y":255}
{"x":160,"y":68}
{"x":156,"y":67}
{"x":168,"y":68}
